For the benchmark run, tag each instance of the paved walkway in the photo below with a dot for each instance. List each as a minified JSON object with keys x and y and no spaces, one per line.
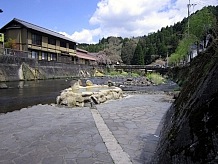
{"x":121,"y":132}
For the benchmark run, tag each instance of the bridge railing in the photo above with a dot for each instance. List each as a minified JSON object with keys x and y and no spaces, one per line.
{"x":138,"y":67}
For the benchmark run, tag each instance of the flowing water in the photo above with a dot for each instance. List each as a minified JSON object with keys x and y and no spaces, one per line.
{"x":22,"y":94}
{"x":28,"y":93}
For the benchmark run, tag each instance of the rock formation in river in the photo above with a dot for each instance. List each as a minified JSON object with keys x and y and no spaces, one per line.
{"x":79,"y":96}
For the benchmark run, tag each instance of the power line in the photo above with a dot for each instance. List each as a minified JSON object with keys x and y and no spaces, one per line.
{"x":189,"y":5}
{"x":204,"y":2}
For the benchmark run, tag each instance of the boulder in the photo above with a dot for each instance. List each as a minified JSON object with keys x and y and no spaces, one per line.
{"x":72,"y":97}
{"x":86,"y":94}
{"x":76,"y":85}
{"x":3,"y":86}
{"x":129,"y":79}
{"x":109,"y":96}
{"x":98,"y":74}
{"x":89,"y":83}
{"x":110,"y":83}
{"x":71,"y":101}
{"x":95,"y":100}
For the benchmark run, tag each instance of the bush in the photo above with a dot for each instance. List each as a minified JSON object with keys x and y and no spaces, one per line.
{"x":135,"y":75}
{"x":122,"y":73}
{"x":113,"y":73}
{"x":156,"y":78}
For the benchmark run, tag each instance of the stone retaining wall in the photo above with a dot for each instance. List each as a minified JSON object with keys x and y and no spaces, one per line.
{"x":13,"y":68}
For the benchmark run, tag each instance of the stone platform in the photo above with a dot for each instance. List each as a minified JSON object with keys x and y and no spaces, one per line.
{"x":119,"y":131}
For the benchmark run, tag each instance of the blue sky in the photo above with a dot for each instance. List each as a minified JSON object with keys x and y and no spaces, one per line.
{"x":87,"y":21}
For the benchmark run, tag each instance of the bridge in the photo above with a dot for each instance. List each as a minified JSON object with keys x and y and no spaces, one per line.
{"x":146,"y":68}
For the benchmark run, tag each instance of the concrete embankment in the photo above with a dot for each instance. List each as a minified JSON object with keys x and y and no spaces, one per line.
{"x":13,"y":68}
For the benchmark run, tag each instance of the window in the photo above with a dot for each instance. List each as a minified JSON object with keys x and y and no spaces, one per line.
{"x":44,"y":56}
{"x":63,"y":44}
{"x":35,"y":55}
{"x":36,"y":39}
{"x":53,"y":56}
{"x":72,"y":46}
{"x":51,"y":41}
{"x":77,"y":60}
{"x":87,"y":62}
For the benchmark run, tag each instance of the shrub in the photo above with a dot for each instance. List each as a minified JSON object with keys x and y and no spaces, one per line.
{"x":122,"y":73}
{"x":156,"y":78}
{"x":135,"y":75}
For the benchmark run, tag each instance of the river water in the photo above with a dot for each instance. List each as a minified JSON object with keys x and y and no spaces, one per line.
{"x":22,"y":94}
{"x":28,"y":93}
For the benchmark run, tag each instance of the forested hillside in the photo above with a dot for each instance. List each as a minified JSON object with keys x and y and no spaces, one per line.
{"x":174,"y":40}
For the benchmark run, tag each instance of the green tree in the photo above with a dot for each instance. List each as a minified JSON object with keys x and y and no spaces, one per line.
{"x":128,"y":50}
{"x":162,"y":50}
{"x":147,"y":57}
{"x":138,"y":57}
{"x":200,"y":22}
{"x":182,"y":51}
{"x":10,"y":43}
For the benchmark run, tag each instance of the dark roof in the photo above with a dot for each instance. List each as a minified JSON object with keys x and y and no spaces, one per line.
{"x":40,"y":29}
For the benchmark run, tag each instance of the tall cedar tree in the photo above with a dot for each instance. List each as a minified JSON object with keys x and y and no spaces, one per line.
{"x":138,"y":57}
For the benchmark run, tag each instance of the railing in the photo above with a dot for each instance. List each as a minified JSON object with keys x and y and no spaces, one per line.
{"x":27,"y":54}
{"x":12,"y":52}
{"x":138,"y":67}
{"x":156,"y":68}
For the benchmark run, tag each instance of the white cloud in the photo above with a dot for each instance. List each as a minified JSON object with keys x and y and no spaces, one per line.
{"x":135,"y":17}
{"x":84,"y":36}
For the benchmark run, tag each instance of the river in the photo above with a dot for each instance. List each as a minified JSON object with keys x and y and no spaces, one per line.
{"x":21,"y":94}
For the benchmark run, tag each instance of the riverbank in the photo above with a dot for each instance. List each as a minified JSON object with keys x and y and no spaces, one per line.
{"x":51,"y":134}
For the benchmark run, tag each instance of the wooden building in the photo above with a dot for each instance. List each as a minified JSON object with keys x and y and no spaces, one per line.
{"x":43,"y":44}
{"x":83,"y":57}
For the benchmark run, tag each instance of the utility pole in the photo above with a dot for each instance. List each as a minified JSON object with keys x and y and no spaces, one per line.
{"x":189,"y":5}
{"x":167,"y":59}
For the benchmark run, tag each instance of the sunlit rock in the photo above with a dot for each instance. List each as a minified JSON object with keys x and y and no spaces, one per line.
{"x":3,"y":86}
{"x":79,"y":96}
{"x":98,"y":74}
{"x":89,"y":83}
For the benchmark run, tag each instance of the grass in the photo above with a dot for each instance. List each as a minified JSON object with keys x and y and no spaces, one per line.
{"x":156,"y":78}
{"x":122,"y":73}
